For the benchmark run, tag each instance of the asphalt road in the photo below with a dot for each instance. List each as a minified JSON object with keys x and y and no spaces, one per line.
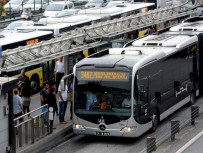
{"x":194,"y":145}
{"x":93,"y":144}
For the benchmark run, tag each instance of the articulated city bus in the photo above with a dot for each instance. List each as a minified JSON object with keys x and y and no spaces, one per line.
{"x":125,"y":92}
{"x":37,"y":73}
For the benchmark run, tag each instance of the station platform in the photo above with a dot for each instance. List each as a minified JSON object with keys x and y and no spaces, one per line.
{"x":61,"y":132}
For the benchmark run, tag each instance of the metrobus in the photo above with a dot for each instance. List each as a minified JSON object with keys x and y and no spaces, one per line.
{"x":37,"y":73}
{"x":160,"y":73}
{"x":117,"y":9}
{"x":60,"y":25}
{"x":114,"y":9}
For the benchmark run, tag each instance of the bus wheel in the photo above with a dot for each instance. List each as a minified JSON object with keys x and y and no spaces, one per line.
{"x":192,"y":97}
{"x":155,"y":121}
{"x":34,"y":84}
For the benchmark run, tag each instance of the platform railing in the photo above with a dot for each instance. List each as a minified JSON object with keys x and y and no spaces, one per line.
{"x":31,"y":127}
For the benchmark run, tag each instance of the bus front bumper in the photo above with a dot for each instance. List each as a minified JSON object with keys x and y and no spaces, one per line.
{"x":136,"y":132}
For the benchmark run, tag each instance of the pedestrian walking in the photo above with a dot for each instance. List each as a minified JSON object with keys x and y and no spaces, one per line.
{"x":62,"y":103}
{"x":59,"y":71}
{"x":17,"y":106}
{"x":25,"y":91}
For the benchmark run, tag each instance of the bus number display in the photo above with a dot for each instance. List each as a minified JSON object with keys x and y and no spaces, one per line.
{"x":103,"y":75}
{"x":33,"y":41}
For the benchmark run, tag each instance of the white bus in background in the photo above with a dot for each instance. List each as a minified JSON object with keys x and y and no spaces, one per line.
{"x":60,"y":25}
{"x":39,"y":73}
{"x":87,"y":17}
{"x":163,"y":3}
{"x":116,"y":9}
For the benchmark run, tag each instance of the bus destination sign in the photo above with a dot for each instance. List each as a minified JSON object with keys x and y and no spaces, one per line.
{"x":103,"y":75}
{"x":32,"y":41}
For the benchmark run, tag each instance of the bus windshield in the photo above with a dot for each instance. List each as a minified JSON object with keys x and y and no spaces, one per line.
{"x":102,"y":96}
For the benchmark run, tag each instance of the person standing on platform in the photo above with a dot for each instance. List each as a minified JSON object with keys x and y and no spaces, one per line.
{"x":63,"y":98}
{"x":43,"y":96}
{"x":59,"y":71}
{"x":25,"y":91}
{"x":17,"y":106}
{"x":51,"y":100}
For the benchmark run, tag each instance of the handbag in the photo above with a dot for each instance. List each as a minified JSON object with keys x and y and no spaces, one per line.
{"x":70,"y":96}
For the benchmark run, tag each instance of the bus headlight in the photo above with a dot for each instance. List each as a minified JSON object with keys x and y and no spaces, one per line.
{"x":78,"y":126}
{"x":129,"y":129}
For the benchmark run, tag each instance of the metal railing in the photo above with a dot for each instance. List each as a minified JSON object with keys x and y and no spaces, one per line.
{"x":31,"y":127}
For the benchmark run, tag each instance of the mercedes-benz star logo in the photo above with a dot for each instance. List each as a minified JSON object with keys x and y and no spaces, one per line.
{"x":102,"y":127}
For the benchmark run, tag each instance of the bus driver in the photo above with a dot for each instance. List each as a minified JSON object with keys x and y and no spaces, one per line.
{"x":127,"y":102}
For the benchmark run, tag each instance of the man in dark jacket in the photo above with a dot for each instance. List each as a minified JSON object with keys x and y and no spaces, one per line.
{"x":25,"y":91}
{"x":51,"y":100}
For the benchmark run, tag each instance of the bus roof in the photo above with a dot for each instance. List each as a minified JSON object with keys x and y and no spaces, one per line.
{"x":125,"y":57}
{"x":163,"y":40}
{"x":9,"y":38}
{"x":55,"y":24}
{"x":143,"y":50}
{"x":115,"y":8}
{"x":69,"y":19}
{"x":188,"y":26}
{"x":55,"y":28}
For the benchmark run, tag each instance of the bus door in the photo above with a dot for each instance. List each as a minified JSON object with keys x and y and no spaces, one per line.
{"x":45,"y":71}
{"x":48,"y":70}
{"x":51,"y":69}
{"x":73,"y":59}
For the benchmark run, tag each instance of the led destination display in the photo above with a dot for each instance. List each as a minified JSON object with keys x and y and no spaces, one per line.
{"x":103,"y":75}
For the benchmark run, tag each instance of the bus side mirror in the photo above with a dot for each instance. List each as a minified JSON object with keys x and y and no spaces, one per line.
{"x":64,"y":81}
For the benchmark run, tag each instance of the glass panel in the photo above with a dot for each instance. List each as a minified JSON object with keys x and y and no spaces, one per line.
{"x":102,"y":96}
{"x":45,"y":71}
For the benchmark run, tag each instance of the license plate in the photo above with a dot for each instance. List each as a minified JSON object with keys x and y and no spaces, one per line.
{"x":103,"y":133}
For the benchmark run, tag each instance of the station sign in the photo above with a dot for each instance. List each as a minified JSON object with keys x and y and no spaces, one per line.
{"x":32,"y":41}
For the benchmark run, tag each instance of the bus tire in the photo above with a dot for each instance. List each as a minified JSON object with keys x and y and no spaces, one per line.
{"x":34,"y":84}
{"x":155,"y":121}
